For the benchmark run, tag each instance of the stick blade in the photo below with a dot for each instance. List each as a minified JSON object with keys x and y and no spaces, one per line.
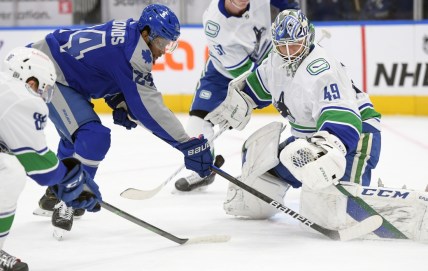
{"x":364,"y":227}
{"x":136,"y":194}
{"x":208,"y":239}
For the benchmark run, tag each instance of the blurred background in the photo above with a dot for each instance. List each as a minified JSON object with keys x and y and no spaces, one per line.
{"x":384,"y":43}
{"x":67,"y":12}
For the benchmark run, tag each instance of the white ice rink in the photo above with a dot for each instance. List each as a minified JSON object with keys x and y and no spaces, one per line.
{"x":107,"y":242}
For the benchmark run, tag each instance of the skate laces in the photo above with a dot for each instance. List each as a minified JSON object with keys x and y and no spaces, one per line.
{"x":193,"y":178}
{"x":64,"y":211}
{"x":7,"y":260}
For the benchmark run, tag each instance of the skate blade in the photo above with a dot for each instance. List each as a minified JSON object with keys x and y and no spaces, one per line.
{"x":58,"y":233}
{"x":40,"y":212}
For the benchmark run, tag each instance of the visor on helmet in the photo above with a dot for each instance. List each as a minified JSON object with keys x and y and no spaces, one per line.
{"x":165,"y":45}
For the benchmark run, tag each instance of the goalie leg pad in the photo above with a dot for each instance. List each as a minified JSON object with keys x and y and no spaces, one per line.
{"x":260,"y":151}
{"x":243,"y":204}
{"x":407,"y":210}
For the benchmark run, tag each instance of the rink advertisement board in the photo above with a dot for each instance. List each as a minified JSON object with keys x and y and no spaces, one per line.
{"x":35,"y":12}
{"x":388,"y":61}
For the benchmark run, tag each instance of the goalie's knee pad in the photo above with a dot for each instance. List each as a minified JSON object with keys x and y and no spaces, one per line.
{"x":12,"y":181}
{"x":241,"y":203}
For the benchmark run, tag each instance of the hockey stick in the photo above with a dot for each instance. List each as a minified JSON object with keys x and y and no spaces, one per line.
{"x":181,"y":241}
{"x":387,"y":230}
{"x":325,"y":34}
{"x":366,"y":226}
{"x":137,"y":194}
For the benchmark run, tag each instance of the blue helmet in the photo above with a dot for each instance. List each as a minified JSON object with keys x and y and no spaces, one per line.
{"x":162,"y":22}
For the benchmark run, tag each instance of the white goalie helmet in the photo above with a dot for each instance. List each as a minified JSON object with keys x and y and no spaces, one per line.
{"x":27,"y":63}
{"x":292,"y":36}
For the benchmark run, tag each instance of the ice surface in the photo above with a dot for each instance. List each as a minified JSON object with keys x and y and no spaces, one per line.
{"x":105,"y":241}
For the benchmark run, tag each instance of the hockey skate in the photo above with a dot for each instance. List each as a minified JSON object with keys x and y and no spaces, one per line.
{"x":11,"y":263}
{"x":62,"y":219}
{"x":47,"y":203}
{"x":194,"y":182}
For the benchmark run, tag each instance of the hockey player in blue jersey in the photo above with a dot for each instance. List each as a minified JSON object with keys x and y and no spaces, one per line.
{"x":248,"y":22}
{"x":114,"y":61}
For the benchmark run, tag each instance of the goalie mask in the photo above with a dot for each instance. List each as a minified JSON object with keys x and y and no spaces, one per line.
{"x":27,"y":64}
{"x":292,"y":36}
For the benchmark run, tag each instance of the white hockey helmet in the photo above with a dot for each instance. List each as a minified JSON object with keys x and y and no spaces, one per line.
{"x":27,"y":63}
{"x":292,"y":36}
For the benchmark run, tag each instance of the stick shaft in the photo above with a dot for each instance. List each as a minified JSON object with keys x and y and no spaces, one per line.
{"x":142,"y":223}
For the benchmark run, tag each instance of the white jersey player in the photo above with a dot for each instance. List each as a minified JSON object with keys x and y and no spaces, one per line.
{"x":25,"y":86}
{"x":238,"y":39}
{"x":335,"y":137}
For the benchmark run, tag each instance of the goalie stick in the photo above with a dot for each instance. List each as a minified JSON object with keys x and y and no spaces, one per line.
{"x":181,"y":241}
{"x":364,"y":227}
{"x":137,"y":194}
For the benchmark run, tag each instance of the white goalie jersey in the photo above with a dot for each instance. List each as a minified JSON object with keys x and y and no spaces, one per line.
{"x":237,"y":44}
{"x":319,"y":96}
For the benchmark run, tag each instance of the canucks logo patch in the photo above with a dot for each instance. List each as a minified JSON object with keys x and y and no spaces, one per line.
{"x":205,"y":94}
{"x":212,"y":29}
{"x":318,"y":66}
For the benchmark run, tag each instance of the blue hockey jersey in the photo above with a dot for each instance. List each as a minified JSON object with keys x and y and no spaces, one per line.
{"x":108,"y":59}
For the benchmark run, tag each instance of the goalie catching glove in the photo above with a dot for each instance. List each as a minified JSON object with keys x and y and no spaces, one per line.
{"x":317,"y":162}
{"x":77,"y":189}
{"x":197,"y":155}
{"x":235,"y":110}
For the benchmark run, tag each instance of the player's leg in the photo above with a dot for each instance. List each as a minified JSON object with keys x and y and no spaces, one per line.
{"x":82,"y":136}
{"x":12,"y":182}
{"x":211,"y":91}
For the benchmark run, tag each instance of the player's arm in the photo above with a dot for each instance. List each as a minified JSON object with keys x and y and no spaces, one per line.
{"x":146,"y":105}
{"x":319,"y":160}
{"x":245,"y":93}
{"x":121,"y":114}
{"x":26,"y":140}
{"x":337,"y":112}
